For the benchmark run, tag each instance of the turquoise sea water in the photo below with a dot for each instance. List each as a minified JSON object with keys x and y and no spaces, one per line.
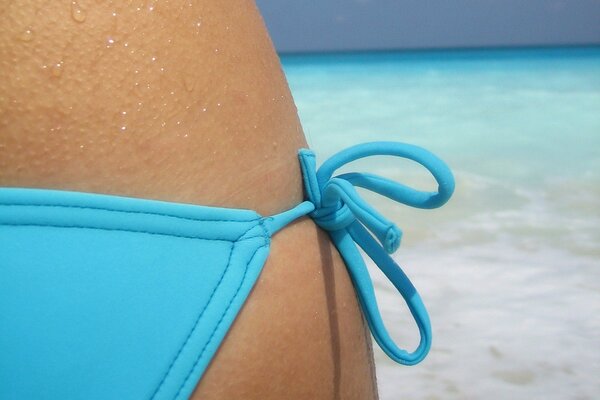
{"x":510,"y":268}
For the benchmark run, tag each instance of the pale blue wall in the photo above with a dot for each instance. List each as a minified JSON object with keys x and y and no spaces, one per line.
{"x":324,"y":25}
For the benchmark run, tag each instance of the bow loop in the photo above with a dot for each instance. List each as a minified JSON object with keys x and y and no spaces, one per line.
{"x":393,"y":190}
{"x":349,"y":219}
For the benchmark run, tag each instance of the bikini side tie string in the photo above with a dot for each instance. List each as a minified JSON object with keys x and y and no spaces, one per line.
{"x":349,"y":220}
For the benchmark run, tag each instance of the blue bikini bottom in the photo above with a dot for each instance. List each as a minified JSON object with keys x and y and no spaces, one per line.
{"x":123,"y":298}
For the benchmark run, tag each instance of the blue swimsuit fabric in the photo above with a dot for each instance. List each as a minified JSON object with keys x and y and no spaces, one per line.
{"x":124,"y":298}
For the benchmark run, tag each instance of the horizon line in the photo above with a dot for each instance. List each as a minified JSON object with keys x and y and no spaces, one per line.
{"x":416,"y":50}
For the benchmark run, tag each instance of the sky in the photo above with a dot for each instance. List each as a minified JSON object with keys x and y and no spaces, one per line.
{"x":345,"y":25}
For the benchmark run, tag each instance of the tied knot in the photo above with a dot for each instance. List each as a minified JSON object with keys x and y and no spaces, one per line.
{"x":333,"y":218}
{"x":341,"y":214}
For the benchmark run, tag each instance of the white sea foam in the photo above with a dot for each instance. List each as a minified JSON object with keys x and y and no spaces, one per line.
{"x":508,"y":323}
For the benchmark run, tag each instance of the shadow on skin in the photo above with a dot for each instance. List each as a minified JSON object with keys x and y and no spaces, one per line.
{"x":334,"y":328}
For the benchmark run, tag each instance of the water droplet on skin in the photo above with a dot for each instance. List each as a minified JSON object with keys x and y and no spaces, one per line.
{"x":109,"y":42}
{"x":218,"y":104}
{"x":57,"y":69}
{"x":123,"y":128}
{"x":123,"y":112}
{"x":137,"y":88}
{"x":114,"y":14}
{"x":204,"y":109}
{"x":216,"y":50}
{"x":154,"y":58}
{"x":26,"y":35}
{"x":186,"y":135}
{"x":77,"y":12}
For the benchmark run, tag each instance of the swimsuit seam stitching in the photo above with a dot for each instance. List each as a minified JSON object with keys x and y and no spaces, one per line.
{"x":267,"y":233}
{"x":186,"y":341}
{"x":136,"y":231}
{"x":132,"y":212}
{"x":220,"y":320}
